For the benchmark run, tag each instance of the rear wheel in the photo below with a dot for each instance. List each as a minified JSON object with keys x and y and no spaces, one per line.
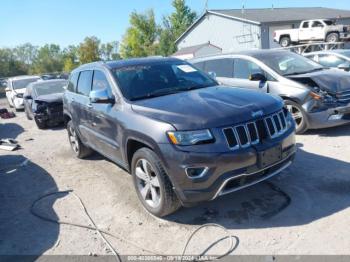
{"x":298,"y":115}
{"x":285,"y":41}
{"x":332,"y":38}
{"x":80,"y":150}
{"x":152,"y":184}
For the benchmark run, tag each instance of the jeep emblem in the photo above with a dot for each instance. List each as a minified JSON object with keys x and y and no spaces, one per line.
{"x":257,"y":113}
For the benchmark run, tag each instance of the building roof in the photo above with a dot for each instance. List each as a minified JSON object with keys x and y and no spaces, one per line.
{"x":270,"y":15}
{"x":273,"y":15}
{"x":193,"y":49}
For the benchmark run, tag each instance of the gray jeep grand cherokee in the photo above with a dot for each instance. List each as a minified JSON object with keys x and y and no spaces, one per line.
{"x":184,"y":138}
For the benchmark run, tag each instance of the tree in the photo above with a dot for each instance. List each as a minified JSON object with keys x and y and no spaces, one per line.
{"x":26,"y":53}
{"x":141,"y":37}
{"x":89,"y":50}
{"x":175,"y":25}
{"x":9,"y":65}
{"x":70,"y":58}
{"x":48,"y":60}
{"x":109,"y":51}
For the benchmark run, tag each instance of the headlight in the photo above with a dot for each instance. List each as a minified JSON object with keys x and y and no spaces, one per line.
{"x":19,"y":95}
{"x":188,"y":138}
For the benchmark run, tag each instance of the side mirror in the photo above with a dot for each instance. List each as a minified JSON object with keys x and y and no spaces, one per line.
{"x":7,"y":89}
{"x":344,"y":66}
{"x":101,"y":97}
{"x":258,"y":77}
{"x":212,"y":75}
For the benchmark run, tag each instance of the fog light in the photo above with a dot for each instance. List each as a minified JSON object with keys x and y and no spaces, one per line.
{"x":196,"y":172}
{"x":336,"y":117}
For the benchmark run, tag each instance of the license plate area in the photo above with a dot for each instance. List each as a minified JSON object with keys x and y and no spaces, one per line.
{"x":270,"y":156}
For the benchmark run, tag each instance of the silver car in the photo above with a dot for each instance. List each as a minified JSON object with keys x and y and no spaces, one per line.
{"x":317,"y":97}
{"x":339,"y":58}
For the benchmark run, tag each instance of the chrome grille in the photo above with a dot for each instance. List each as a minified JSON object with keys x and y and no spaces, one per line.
{"x":344,"y":96}
{"x":252,"y":133}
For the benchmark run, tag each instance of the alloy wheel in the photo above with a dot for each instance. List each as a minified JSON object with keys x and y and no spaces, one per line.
{"x":296,"y":114}
{"x":148,"y":183}
{"x":73,"y":139}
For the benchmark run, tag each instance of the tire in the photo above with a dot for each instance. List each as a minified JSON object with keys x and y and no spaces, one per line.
{"x":27,"y":115}
{"x":79,"y":149}
{"x":153,"y":182}
{"x":40,"y":125}
{"x":299,"y":116}
{"x":332,"y":38}
{"x":11,"y":106}
{"x":285,"y":41}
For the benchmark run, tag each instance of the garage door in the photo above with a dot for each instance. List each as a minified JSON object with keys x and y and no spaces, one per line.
{"x":273,"y":29}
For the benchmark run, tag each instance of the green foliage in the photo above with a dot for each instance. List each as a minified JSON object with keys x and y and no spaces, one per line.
{"x":89,"y":50}
{"x":141,"y":37}
{"x":109,"y":51}
{"x":174,"y":26}
{"x":48,"y":59}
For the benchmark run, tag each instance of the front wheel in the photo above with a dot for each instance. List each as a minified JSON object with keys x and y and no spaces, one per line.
{"x":298,"y":115}
{"x":152,"y":184}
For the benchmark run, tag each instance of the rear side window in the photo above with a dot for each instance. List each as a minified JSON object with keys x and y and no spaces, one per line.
{"x":84,"y":83}
{"x":243,"y":69}
{"x":72,"y":84}
{"x":221,"y":67}
{"x":305,"y":25}
{"x":100,"y":81}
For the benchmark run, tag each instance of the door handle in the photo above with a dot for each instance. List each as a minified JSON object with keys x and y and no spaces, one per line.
{"x":89,"y":105}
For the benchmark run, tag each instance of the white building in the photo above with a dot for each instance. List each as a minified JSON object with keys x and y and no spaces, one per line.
{"x":242,"y":29}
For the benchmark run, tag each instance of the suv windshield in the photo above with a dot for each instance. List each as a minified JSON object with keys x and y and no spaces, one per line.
{"x":159,"y":79}
{"x":47,"y":88}
{"x":288,"y":63}
{"x":23,"y":83}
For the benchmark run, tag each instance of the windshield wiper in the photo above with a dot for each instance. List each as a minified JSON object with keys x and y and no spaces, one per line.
{"x":169,"y":91}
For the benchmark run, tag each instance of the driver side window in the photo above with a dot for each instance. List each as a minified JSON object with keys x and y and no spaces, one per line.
{"x":243,"y":69}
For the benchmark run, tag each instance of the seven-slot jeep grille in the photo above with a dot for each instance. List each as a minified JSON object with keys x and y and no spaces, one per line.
{"x":252,"y":133}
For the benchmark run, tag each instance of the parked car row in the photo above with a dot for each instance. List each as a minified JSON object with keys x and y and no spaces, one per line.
{"x":191,"y":132}
{"x":41,"y":100}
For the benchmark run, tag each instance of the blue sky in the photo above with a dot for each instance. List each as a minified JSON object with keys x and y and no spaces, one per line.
{"x":68,"y":21}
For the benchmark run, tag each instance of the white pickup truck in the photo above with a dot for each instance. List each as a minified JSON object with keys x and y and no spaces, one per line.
{"x":313,"y":30}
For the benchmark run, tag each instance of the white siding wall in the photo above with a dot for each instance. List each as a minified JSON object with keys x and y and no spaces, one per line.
{"x":207,"y":50}
{"x":228,"y":34}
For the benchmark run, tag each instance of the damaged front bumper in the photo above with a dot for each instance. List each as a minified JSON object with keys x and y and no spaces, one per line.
{"x":332,"y":116}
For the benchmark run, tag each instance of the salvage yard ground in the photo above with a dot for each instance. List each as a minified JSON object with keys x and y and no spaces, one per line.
{"x":303,"y":211}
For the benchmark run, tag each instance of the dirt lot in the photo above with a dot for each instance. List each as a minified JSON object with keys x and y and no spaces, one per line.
{"x":303,"y":211}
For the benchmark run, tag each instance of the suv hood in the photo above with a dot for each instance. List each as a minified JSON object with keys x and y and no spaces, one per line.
{"x":332,"y":81}
{"x":210,"y":107}
{"x":51,"y":98}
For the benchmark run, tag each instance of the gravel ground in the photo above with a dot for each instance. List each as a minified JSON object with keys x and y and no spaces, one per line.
{"x":305,"y":210}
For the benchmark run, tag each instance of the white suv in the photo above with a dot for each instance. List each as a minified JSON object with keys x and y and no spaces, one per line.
{"x":16,"y":86}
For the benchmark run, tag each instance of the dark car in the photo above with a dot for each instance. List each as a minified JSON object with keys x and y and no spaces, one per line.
{"x":43,"y":102}
{"x":184,"y":138}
